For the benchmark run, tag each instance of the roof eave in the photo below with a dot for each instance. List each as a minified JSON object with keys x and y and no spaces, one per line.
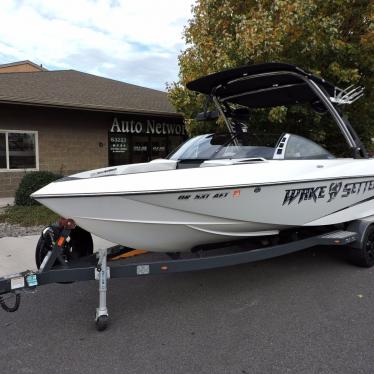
{"x":91,"y":109}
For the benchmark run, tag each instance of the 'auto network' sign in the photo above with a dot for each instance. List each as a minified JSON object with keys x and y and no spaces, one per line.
{"x":149,"y":126}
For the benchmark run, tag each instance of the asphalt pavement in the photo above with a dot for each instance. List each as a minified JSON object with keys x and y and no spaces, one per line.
{"x":309,"y":312}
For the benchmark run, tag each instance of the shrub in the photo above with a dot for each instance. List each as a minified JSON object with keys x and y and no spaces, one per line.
{"x":32,"y":182}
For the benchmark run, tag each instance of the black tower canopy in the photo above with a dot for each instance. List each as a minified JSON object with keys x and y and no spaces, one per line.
{"x":262,"y":85}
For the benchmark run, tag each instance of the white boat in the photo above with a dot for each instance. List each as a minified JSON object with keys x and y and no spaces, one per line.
{"x":218,"y":188}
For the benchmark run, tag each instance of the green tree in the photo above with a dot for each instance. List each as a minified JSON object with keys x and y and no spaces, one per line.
{"x":331,"y":38}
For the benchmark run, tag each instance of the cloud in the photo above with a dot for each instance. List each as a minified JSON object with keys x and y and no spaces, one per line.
{"x":147,"y":69}
{"x":133,"y":41}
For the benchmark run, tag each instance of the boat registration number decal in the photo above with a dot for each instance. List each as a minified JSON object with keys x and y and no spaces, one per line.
{"x":203,"y":196}
{"x":327,"y":192}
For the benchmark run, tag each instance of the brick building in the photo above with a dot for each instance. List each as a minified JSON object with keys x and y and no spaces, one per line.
{"x":67,"y":121}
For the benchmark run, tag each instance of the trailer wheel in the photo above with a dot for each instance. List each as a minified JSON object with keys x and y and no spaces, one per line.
{"x":80,"y":245}
{"x":364,"y":256}
{"x":42,"y":248}
{"x":102,"y":322}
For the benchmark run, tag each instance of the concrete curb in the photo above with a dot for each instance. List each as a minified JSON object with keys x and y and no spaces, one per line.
{"x":18,"y":253}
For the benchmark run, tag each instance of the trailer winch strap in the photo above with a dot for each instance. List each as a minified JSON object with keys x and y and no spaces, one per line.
{"x":135,"y":252}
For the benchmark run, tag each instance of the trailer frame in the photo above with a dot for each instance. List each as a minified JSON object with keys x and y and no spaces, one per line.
{"x":99,"y":266}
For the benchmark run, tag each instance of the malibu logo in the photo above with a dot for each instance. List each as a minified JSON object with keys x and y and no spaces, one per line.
{"x":149,"y":127}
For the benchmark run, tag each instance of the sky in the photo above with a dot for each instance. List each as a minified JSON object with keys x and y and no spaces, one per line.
{"x":134,"y":41}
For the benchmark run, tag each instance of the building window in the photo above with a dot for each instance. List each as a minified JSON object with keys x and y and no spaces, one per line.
{"x":130,"y":149}
{"x":3,"y":158}
{"x":137,"y":138}
{"x":18,"y":150}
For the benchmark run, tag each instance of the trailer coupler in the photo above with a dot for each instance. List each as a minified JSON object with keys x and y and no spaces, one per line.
{"x":12,"y":285}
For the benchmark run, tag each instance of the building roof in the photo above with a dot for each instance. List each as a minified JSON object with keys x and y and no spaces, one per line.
{"x":76,"y":90}
{"x":12,"y":66}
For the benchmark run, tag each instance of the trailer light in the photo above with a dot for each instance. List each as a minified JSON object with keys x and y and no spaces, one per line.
{"x":236,"y":193}
{"x":60,"y":241}
{"x":164,"y":268}
{"x":67,"y":223}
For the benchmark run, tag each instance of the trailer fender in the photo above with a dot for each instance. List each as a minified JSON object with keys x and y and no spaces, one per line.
{"x":360,"y":227}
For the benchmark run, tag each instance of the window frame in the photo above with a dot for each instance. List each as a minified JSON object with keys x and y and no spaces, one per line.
{"x":35,"y":133}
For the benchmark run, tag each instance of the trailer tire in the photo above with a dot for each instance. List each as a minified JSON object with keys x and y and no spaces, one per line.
{"x":364,"y":255}
{"x":80,"y":242}
{"x":42,"y":248}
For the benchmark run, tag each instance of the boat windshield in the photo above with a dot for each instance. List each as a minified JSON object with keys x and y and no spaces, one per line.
{"x":224,"y":146}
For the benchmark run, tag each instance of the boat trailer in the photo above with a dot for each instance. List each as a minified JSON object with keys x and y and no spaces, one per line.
{"x":120,"y":262}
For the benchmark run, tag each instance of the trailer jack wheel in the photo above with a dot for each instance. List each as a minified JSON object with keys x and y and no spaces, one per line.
{"x":102,"y":275}
{"x":102,"y":322}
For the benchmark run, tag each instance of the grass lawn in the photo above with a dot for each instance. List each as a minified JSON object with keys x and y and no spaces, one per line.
{"x":34,"y":215}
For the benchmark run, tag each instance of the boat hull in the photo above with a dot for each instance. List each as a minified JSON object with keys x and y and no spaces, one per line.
{"x":180,"y":220}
